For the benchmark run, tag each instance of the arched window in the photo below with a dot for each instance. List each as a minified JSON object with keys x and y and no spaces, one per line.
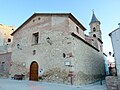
{"x":94,"y":35}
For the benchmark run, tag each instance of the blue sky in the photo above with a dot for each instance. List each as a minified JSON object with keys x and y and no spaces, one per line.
{"x":15,"y":12}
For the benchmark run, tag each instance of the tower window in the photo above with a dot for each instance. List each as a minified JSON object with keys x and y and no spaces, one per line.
{"x":9,"y":40}
{"x":35,"y":38}
{"x":94,"y":35}
{"x":94,"y":29}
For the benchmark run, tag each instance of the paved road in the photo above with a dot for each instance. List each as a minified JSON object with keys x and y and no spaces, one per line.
{"x":8,"y":84}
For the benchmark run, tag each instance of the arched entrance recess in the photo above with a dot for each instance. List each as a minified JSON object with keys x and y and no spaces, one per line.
{"x":33,"y":71}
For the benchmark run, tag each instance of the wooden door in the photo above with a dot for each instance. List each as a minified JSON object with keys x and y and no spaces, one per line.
{"x":33,"y":71}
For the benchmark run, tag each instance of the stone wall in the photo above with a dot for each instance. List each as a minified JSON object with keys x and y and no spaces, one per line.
{"x":88,"y":62}
{"x":113,"y":83}
{"x":56,"y":75}
{"x":5,"y":64}
{"x":18,"y":67}
{"x":47,"y":55}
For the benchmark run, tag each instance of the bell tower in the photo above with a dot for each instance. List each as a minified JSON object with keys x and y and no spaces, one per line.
{"x":95,"y":32}
{"x":95,"y":27}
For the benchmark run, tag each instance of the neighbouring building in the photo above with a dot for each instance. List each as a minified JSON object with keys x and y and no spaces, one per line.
{"x":54,"y":48}
{"x":111,"y":64}
{"x":5,"y":49}
{"x":115,"y":39}
{"x":106,"y":65}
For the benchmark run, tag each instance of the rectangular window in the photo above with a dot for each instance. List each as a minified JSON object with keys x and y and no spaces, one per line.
{"x":35,"y":38}
{"x":9,"y":40}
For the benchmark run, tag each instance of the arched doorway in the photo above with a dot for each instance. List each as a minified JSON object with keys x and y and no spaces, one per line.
{"x":33,"y":71}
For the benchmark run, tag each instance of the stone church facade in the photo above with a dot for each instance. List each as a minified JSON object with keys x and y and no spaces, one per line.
{"x":52,"y":47}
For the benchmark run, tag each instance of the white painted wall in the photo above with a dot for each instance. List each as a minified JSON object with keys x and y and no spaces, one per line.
{"x":115,"y":38}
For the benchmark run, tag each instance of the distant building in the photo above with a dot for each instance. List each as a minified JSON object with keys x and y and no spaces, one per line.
{"x":106,"y":65}
{"x":5,"y":49}
{"x":115,"y":39}
{"x":53,"y":46}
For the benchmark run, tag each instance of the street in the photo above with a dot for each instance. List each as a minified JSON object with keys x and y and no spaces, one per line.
{"x":10,"y":84}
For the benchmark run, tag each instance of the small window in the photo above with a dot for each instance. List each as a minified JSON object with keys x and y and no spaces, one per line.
{"x":94,"y":35}
{"x":64,"y":55}
{"x":101,"y":48}
{"x":77,"y":29}
{"x":3,"y":62}
{"x":9,"y":40}
{"x":94,"y":29}
{"x":33,"y":20}
{"x":34,"y":52}
{"x":35,"y":38}
{"x":39,"y":18}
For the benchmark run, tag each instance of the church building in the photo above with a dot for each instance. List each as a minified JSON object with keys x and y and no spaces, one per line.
{"x":52,"y":47}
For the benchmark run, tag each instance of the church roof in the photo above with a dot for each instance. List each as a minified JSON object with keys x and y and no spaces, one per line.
{"x":68,"y":14}
{"x":94,"y":19}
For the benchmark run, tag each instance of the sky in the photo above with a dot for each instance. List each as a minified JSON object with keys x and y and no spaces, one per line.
{"x":15,"y":12}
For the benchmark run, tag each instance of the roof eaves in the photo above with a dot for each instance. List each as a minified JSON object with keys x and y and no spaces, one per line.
{"x":76,"y":21}
{"x":113,"y":31}
{"x":24,"y":23}
{"x":69,"y":14}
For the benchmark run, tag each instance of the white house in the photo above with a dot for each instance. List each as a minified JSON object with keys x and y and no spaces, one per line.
{"x":115,"y":39}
